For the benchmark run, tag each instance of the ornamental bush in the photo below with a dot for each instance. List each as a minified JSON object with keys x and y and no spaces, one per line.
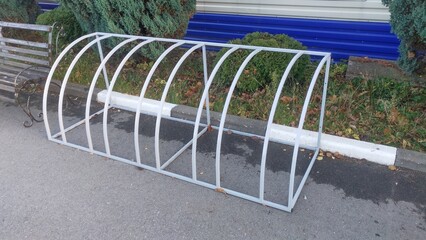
{"x":264,"y":68}
{"x":23,"y":11}
{"x":66,"y":19}
{"x":408,"y":21}
{"x":158,"y":18}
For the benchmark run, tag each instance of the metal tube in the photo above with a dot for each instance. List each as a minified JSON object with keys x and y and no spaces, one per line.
{"x":224,"y":45}
{"x":65,"y":81}
{"x":142,"y":95}
{"x":269,"y":124}
{"x":101,"y":56}
{"x":291,"y":200}
{"x":324,"y":98}
{"x":163,"y":100}
{"x":111,"y":87}
{"x":206,"y":76}
{"x":225,"y":110}
{"x":178,"y":153}
{"x":49,"y":80}
{"x":203,"y":98}
{"x":92,"y":88}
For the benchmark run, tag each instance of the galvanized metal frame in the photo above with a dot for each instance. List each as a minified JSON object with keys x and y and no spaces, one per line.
{"x":160,"y":167}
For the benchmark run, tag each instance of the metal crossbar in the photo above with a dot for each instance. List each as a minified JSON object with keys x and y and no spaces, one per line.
{"x":95,"y":39}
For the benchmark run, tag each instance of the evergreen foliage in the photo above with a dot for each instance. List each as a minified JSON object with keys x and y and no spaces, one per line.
{"x":158,"y":18}
{"x":408,"y":21}
{"x":266,"y":67}
{"x":23,"y":11}
{"x":66,"y":19}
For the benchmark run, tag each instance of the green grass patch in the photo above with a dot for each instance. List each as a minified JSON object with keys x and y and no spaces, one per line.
{"x":384,"y":111}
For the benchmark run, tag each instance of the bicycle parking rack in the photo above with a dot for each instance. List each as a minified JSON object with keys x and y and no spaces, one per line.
{"x":95,"y":40}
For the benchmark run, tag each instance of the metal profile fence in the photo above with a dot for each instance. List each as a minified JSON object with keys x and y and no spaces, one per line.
{"x":94,"y":40}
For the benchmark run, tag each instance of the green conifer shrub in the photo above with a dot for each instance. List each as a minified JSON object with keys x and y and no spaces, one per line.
{"x":264,"y":68}
{"x":23,"y":11}
{"x":408,"y":21}
{"x":158,"y":18}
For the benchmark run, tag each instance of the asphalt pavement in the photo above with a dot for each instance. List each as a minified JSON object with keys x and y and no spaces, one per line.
{"x":50,"y":191}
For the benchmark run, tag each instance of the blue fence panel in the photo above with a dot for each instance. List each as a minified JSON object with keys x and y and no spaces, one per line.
{"x":342,"y":38}
{"x":47,"y":6}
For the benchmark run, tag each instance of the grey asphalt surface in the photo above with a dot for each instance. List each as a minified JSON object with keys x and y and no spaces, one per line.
{"x":50,"y":191}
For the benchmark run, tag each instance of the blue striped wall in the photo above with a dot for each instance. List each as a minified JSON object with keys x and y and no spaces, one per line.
{"x":341,"y":38}
{"x":46,"y":6}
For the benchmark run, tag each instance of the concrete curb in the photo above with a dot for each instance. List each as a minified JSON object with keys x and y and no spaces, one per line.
{"x":411,"y":160}
{"x":377,"y":153}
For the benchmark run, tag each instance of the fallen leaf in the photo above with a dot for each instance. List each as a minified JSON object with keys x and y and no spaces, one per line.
{"x":405,"y":143}
{"x":393,"y":116}
{"x":392,"y":168}
{"x":328,"y":154}
{"x":386,"y":131}
{"x":356,"y":136}
{"x":319,"y":158}
{"x":220,"y":190}
{"x":286,"y":99}
{"x":338,"y":155}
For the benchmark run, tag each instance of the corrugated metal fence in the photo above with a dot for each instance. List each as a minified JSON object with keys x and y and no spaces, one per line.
{"x":341,"y":38}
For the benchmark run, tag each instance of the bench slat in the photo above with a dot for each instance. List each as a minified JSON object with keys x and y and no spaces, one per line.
{"x":11,"y":75}
{"x":22,"y":65}
{"x":17,"y":70}
{"x":7,"y":88}
{"x":24,"y":43}
{"x":34,"y":27}
{"x":24,"y":50}
{"x":25,"y":59}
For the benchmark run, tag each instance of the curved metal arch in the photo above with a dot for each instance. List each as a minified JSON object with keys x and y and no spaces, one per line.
{"x":93,"y":84}
{"x":163,"y":99}
{"x":225,"y":111}
{"x":65,"y":81}
{"x":110,"y":88}
{"x":200,"y":108}
{"x":269,"y":123}
{"x":142,"y":95}
{"x":50,"y":76}
{"x":208,"y":81}
{"x":291,"y":195}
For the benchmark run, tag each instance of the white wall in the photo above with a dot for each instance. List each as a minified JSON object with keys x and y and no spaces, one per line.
{"x":361,"y":10}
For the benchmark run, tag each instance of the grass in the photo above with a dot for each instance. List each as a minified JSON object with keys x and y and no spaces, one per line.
{"x":384,"y":111}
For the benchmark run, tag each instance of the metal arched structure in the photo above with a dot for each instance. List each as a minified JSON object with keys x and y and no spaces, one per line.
{"x":95,"y":40}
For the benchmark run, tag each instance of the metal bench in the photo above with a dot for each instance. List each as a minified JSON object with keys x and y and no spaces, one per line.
{"x":24,"y":62}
